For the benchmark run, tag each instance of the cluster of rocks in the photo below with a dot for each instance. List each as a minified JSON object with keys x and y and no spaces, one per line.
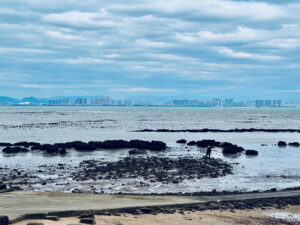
{"x":60,"y":148}
{"x":153,"y":169}
{"x":284,"y":144}
{"x":236,"y":130}
{"x":228,"y":148}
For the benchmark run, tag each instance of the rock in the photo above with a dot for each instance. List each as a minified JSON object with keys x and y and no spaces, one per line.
{"x":281,"y":144}
{"x":230,"y":150}
{"x":50,"y":149}
{"x":35,"y":147}
{"x":88,"y":220}
{"x":116,"y":144}
{"x":251,"y":152}
{"x":146,"y":210}
{"x":4,"y":220}
{"x":181,"y":141}
{"x":22,"y":143}
{"x":12,"y":150}
{"x":206,"y":143}
{"x":136,"y":152}
{"x":294,"y":144}
{"x":54,"y":218}
{"x":2,"y":186}
{"x":158,"y":146}
{"x":191,"y":143}
{"x":62,"y":151}
{"x":81,"y":146}
{"x":91,"y":216}
{"x":31,"y":223}
{"x":4,"y":144}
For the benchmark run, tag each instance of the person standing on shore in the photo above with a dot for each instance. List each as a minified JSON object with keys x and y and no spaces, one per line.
{"x":208,"y":152}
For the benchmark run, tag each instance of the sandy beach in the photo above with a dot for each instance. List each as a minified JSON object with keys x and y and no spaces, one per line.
{"x":289,"y":215}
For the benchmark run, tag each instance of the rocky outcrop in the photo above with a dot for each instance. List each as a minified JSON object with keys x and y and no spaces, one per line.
{"x":294,"y":144}
{"x":251,"y":152}
{"x":136,"y":152}
{"x":181,"y":141}
{"x":282,"y":144}
{"x":4,"y":220}
{"x":153,"y":169}
{"x":12,"y":150}
{"x":61,"y":148}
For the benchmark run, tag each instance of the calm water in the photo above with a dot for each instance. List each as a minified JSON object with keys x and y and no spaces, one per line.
{"x":273,"y":167}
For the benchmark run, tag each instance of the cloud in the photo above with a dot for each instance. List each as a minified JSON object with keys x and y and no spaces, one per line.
{"x":142,"y":89}
{"x":245,"y":55}
{"x":9,"y":50}
{"x":59,"y":35}
{"x":242,"y":34}
{"x":152,"y":47}
{"x":80,"y":19}
{"x":152,"y":44}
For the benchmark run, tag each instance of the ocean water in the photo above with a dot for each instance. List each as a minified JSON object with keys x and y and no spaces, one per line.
{"x":273,"y":167}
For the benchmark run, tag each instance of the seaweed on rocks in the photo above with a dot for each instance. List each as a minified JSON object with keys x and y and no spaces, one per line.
{"x":60,"y":148}
{"x":12,"y":150}
{"x":153,"y":169}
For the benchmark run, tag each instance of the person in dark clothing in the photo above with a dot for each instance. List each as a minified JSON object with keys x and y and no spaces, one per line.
{"x":208,"y":152}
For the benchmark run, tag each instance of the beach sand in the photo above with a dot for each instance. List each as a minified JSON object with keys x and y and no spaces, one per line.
{"x":291,"y":215}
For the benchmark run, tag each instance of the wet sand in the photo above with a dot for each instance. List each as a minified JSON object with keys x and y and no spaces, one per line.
{"x":215,"y":217}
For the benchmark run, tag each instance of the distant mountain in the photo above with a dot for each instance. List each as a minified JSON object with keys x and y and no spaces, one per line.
{"x":4,"y":100}
{"x":34,"y":101}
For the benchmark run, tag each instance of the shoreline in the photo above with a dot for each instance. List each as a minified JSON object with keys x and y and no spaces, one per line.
{"x":287,"y":216}
{"x":157,"y":205}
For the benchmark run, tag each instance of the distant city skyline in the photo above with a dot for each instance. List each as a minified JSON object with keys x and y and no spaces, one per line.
{"x":138,"y":49}
{"x":108,"y":101}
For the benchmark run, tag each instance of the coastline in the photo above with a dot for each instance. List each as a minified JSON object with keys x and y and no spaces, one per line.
{"x":39,"y":206}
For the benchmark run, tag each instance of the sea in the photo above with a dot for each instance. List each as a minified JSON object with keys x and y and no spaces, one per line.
{"x":274,"y":167}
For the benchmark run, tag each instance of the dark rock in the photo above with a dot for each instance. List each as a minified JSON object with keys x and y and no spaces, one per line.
{"x":191,"y":143}
{"x":10,"y":150}
{"x":2,"y":186}
{"x":231,"y":150}
{"x":91,"y":216}
{"x":22,"y":143}
{"x":87,"y":221}
{"x":206,"y":143}
{"x":62,"y":151}
{"x":147,"y":210}
{"x":50,"y":149}
{"x":35,"y":147}
{"x":116,"y":144}
{"x":82,"y":146}
{"x":251,"y":152}
{"x":282,"y":144}
{"x":136,"y":152}
{"x":31,"y":223}
{"x":54,"y":218}
{"x":3,"y":144}
{"x":294,"y":144}
{"x":158,"y":146}
{"x":181,"y":141}
{"x":4,"y":220}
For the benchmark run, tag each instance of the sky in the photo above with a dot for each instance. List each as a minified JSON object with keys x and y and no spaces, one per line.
{"x":197,"y":49}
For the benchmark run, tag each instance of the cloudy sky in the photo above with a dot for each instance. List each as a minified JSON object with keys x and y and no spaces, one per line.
{"x":176,"y":48}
